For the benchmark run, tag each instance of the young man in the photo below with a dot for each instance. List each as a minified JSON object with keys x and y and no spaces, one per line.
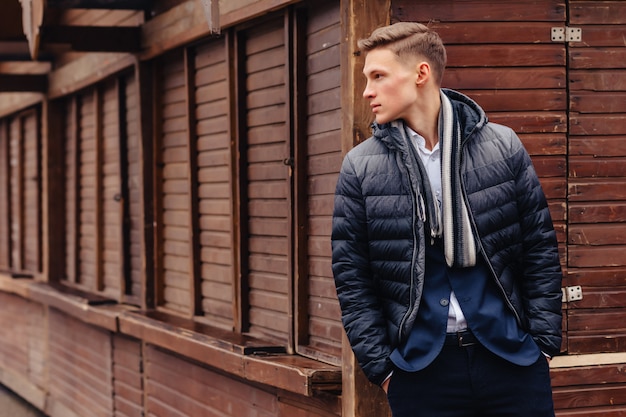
{"x":444,"y":253}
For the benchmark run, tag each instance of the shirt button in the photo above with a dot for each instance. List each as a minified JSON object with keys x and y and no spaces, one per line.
{"x":444,"y":302}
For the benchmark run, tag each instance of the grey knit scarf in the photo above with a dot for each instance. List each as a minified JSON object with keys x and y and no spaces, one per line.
{"x":452,"y":222}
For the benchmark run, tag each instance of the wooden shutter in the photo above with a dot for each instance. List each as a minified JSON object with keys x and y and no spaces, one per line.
{"x":174,"y":291}
{"x":214,"y":181}
{"x":323,"y":150}
{"x":16,"y":193}
{"x":5,"y":202}
{"x":111,"y":201}
{"x":134,"y":228}
{"x":597,"y":177}
{"x":268,"y":187}
{"x":31,"y":245}
{"x":72,"y":164}
{"x":88,"y":189}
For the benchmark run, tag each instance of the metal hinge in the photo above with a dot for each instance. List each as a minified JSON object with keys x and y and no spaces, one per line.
{"x":574,"y":293}
{"x":567,"y":34}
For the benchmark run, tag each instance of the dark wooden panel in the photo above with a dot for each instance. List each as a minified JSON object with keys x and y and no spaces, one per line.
{"x":598,"y":212}
{"x":268,"y":187}
{"x":596,"y":256}
{"x":597,"y":189}
{"x":596,"y":177}
{"x":597,"y":124}
{"x":479,"y":10}
{"x":598,"y":80}
{"x":493,"y":32}
{"x":602,"y":234}
{"x":470,"y":55}
{"x":597,"y":58}
{"x":511,"y":78}
{"x":597,"y":146}
{"x":597,"y":12}
{"x":520,"y":100}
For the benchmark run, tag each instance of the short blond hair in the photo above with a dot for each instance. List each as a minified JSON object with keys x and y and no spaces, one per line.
{"x":409,"y":39}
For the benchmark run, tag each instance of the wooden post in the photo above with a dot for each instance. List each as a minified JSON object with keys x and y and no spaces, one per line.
{"x":359,"y":18}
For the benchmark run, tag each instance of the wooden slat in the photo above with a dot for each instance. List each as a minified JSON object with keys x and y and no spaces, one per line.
{"x":111,"y":201}
{"x":215,"y":183}
{"x":268,"y":256}
{"x":323,"y":153}
{"x":175,"y":275}
{"x":479,"y":10}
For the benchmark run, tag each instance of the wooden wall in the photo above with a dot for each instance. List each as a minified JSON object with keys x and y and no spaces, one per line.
{"x":566,"y":101}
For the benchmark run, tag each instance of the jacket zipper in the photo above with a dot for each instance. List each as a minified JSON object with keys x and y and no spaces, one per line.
{"x":482,"y":249}
{"x":415,"y":208}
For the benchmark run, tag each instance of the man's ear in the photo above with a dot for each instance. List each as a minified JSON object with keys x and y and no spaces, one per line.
{"x":423,"y":73}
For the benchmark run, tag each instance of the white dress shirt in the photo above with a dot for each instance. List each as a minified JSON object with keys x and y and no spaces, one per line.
{"x":432,"y":163}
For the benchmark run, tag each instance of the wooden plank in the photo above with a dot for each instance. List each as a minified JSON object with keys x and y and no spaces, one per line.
{"x":598,"y":80}
{"x":597,"y":212}
{"x":470,"y":55}
{"x":479,"y":10}
{"x":591,"y":167}
{"x":593,"y":12}
{"x":599,"y":124}
{"x":601,"y":189}
{"x":598,"y":102}
{"x":602,"y":35}
{"x":596,"y":256}
{"x":519,"y":100}
{"x":601,"y":234}
{"x":493,"y":32}
{"x":597,"y":58}
{"x":597,"y":146}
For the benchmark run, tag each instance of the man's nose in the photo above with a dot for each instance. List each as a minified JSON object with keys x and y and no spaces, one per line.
{"x":368,"y":92}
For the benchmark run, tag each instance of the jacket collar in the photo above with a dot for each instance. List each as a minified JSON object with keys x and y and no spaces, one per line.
{"x":471,"y":118}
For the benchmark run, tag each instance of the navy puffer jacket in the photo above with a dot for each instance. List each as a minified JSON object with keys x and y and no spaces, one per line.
{"x":378,"y":237}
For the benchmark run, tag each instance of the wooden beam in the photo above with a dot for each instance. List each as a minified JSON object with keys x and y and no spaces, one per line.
{"x":101,"y":4}
{"x":33,"y":83}
{"x":358,"y":19}
{"x":94,"y":38}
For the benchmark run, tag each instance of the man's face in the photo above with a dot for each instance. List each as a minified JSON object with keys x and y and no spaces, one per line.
{"x":391,"y":85}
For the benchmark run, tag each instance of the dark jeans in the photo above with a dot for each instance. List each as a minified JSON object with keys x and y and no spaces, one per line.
{"x":472,"y":382}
